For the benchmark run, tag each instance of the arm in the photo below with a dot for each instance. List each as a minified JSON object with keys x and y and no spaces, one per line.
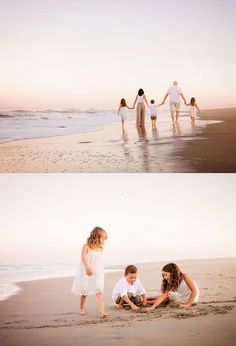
{"x":84,"y":256}
{"x":166,"y":95}
{"x":190,"y":283}
{"x":145,"y":99}
{"x":136,"y":98}
{"x":130,"y":107}
{"x":182,"y":95}
{"x":119,"y":111}
{"x":187,"y":104}
{"x":160,"y":299}
{"x":197,"y":108}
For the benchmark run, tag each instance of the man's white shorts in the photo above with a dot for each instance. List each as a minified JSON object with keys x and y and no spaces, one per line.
{"x":174,"y":106}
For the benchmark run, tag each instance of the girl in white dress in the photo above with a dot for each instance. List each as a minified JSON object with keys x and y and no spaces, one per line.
{"x":89,"y":279}
{"x":122,"y":112}
{"x":177,"y":287}
{"x":193,"y":110}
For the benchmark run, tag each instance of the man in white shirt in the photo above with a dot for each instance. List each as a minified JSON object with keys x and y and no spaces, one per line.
{"x":174,"y":93}
{"x":129,"y":290}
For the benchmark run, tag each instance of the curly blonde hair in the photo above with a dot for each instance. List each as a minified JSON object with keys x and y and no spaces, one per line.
{"x":176,"y":276}
{"x":94,"y":241}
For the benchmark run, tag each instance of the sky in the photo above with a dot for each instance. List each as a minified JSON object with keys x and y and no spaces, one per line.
{"x":47,"y":218}
{"x":90,"y":54}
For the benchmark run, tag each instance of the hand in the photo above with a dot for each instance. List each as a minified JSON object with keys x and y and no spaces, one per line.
{"x":184,"y":306}
{"x":162,"y":103}
{"x":88,"y":271}
{"x":134,"y":307}
{"x":185,"y":103}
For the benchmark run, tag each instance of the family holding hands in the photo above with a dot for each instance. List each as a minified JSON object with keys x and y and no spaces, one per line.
{"x":129,"y":292}
{"x":174,"y":93}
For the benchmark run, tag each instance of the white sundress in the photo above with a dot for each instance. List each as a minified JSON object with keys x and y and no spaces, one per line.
{"x":123,"y":113}
{"x":193,"y":112}
{"x":90,"y":285}
{"x":183,"y":293}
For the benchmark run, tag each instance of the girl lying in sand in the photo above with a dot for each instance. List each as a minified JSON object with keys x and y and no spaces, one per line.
{"x":90,"y":276}
{"x":176,"y":287}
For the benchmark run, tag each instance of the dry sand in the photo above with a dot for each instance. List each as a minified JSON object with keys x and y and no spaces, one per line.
{"x":180,"y":149}
{"x":46,"y":313}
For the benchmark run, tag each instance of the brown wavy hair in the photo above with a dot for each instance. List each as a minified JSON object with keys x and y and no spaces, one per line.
{"x":94,"y":241}
{"x":176,"y":276}
{"x":123,"y":103}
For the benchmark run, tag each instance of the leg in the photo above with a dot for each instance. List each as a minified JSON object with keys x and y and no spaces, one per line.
{"x":100,"y":302}
{"x":173,"y":117}
{"x":138,"y":114}
{"x":82,"y":304}
{"x":176,"y":117}
{"x":143,"y":115}
{"x":123,"y":123}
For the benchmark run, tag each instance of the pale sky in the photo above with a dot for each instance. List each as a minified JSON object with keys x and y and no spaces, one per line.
{"x":76,"y":53}
{"x":152,"y":217}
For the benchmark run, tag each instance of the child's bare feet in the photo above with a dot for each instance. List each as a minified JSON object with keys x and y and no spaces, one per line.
{"x":81,"y":312}
{"x":119,"y":306}
{"x":105,"y":314}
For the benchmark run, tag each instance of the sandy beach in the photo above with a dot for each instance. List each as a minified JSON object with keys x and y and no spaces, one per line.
{"x":205,"y":148}
{"x":45,"y":312}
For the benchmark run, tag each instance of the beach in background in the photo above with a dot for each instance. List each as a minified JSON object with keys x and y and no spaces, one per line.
{"x":93,"y":142}
{"x":46,"y":312}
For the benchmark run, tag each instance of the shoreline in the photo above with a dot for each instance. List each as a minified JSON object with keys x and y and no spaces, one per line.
{"x":106,"y":151}
{"x":46,"y":310}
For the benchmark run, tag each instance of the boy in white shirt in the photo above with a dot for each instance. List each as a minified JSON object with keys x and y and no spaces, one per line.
{"x":129,"y":290}
{"x":153,"y":113}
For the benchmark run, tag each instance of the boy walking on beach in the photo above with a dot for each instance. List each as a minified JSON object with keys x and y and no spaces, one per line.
{"x":129,"y":290}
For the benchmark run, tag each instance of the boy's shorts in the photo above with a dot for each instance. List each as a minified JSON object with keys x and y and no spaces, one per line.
{"x":153,"y":117}
{"x":135,"y":300}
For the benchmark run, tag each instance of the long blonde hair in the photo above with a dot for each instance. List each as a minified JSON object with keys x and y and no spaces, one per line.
{"x":94,"y":241}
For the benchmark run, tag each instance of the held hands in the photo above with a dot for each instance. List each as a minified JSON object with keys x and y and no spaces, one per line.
{"x":88,"y":271}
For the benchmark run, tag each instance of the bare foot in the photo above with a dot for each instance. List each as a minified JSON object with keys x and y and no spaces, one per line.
{"x":105,"y":314}
{"x":119,"y":306}
{"x":81,"y":312}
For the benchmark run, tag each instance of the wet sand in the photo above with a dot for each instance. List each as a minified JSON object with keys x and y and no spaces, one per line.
{"x":215,"y":152}
{"x":108,"y":150}
{"x":45,"y":312}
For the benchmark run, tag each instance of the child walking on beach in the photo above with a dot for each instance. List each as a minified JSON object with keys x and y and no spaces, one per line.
{"x":90,"y":276}
{"x":129,"y":290}
{"x":153,"y":113}
{"x":193,"y":110}
{"x":177,"y":287}
{"x":122,"y":111}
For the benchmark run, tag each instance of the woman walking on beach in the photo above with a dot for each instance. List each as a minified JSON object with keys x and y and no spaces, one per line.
{"x":90,"y":276}
{"x":140,"y":110}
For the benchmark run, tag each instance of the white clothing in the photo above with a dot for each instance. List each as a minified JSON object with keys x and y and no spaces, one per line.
{"x":122,"y":288}
{"x":183,"y":293}
{"x":193,"y":111}
{"x":140,"y":99}
{"x":123,"y":113}
{"x":153,"y":109}
{"x":174,"y":93}
{"x":90,"y":285}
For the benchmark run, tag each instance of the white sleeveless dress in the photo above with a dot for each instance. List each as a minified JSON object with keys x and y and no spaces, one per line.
{"x":193,"y":111}
{"x":123,"y":113}
{"x":183,"y":293}
{"x":90,"y":285}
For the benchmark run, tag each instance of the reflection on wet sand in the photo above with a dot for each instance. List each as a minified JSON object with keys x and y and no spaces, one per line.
{"x":142,"y":135}
{"x":125,"y":140}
